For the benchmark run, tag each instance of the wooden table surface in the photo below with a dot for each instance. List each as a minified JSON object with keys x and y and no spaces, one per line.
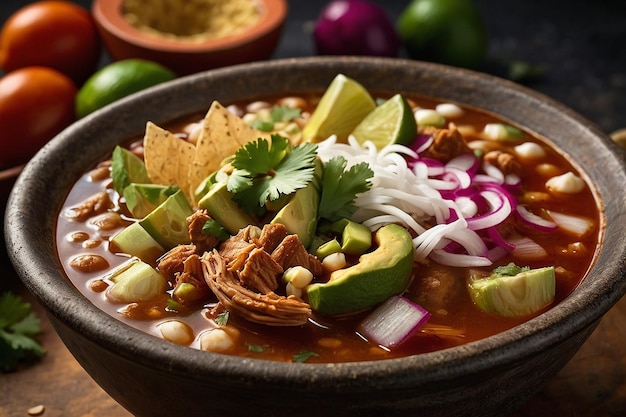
{"x":593,"y":383}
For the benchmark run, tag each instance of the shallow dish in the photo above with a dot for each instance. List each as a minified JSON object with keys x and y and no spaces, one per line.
{"x":123,"y":40}
{"x":152,"y":377}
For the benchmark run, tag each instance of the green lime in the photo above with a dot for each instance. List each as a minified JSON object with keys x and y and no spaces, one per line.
{"x":391,"y":122}
{"x":342,"y":107}
{"x":118,"y":80}
{"x":446,"y":31}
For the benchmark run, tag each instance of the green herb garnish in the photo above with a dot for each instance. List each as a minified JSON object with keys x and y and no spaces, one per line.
{"x":213,"y":228}
{"x":278,"y":114}
{"x":222,"y":318}
{"x":254,"y":348}
{"x":509,"y":270}
{"x":18,"y":328}
{"x":266,"y":172}
{"x":304,"y":355}
{"x":340,"y":187}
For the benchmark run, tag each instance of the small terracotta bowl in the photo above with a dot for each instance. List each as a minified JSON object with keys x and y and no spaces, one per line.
{"x":123,"y":40}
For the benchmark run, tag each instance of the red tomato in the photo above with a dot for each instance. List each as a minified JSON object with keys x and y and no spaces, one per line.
{"x":36,"y":103}
{"x":55,"y":34}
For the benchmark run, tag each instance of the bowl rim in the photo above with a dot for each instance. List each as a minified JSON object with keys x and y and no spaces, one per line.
{"x":44,"y":278}
{"x":107,"y":14}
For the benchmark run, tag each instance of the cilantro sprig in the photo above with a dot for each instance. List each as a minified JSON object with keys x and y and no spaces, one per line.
{"x":266,"y":171}
{"x":277,"y":114}
{"x":18,"y":328}
{"x":340,"y":187}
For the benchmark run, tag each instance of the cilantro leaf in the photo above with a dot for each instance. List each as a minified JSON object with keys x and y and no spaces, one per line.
{"x":222,"y":318}
{"x":266,"y":172}
{"x":284,"y":114}
{"x":303,"y":356}
{"x":509,"y":270}
{"x":212,"y":228}
{"x":340,"y":187}
{"x":18,"y":327}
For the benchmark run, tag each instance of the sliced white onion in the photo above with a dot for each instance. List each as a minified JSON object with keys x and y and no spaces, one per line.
{"x":527,"y":249}
{"x":576,"y":225}
{"x":393,"y":322}
{"x":535,"y":221}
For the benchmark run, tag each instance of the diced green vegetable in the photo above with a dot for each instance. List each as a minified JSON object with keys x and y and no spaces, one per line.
{"x":167,"y":224}
{"x":136,"y":241}
{"x":514,"y":292}
{"x":328,"y":248}
{"x":219,"y":202}
{"x":299,"y":215}
{"x":135,"y":281}
{"x":356,"y":239}
{"x":141,"y":199}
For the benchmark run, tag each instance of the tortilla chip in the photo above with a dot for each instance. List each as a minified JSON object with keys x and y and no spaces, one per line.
{"x":168,"y":158}
{"x":221,"y":135}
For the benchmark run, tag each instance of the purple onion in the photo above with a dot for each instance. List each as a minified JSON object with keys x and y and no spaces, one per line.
{"x":355,"y":27}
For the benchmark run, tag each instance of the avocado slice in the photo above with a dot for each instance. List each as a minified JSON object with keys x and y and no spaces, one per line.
{"x":136,"y":241}
{"x":141,"y":199}
{"x":167,"y":224}
{"x":299,"y":215}
{"x":517,"y":294}
{"x":379,"y":274}
{"x":126,"y":168}
{"x":218,"y":201}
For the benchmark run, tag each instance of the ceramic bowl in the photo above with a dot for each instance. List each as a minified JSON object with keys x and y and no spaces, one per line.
{"x":153,"y":377}
{"x":123,"y":40}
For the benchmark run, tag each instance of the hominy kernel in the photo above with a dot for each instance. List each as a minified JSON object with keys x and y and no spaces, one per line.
{"x":449,"y":110}
{"x":216,"y":340}
{"x":547,"y":170}
{"x":176,"y":331}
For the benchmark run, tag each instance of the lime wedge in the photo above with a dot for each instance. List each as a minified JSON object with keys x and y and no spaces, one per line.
{"x":342,"y":107}
{"x":391,"y":122}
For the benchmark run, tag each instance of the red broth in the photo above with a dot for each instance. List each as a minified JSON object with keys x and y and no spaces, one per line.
{"x":440,"y":289}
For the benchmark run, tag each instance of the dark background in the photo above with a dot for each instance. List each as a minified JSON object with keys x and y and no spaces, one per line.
{"x":580,"y":44}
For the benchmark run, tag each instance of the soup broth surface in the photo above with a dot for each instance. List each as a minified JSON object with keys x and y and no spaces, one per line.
{"x":442,"y":290}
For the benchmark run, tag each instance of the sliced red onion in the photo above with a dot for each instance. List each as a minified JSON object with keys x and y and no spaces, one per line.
{"x":500,"y":210}
{"x":421,"y":143}
{"x":466,"y":162}
{"x":494,"y":173}
{"x":393,"y":322}
{"x":537,"y":222}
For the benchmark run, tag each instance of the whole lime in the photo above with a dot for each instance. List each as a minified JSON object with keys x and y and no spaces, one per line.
{"x":446,"y":31}
{"x":118,"y":80}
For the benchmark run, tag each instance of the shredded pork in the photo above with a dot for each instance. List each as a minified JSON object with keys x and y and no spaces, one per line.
{"x":269,"y":309}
